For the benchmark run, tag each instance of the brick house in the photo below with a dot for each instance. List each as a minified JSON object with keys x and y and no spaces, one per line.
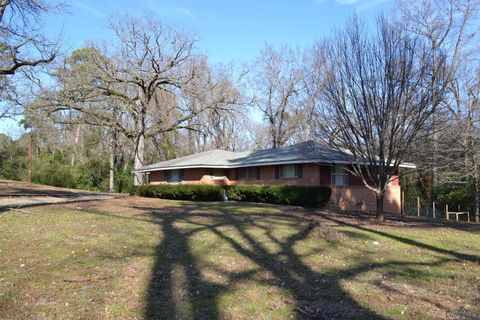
{"x":303,"y":164}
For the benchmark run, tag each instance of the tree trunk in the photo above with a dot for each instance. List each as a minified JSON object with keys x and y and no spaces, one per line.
{"x":30,"y":143}
{"x":191,"y":142}
{"x":139,"y":159}
{"x":477,"y":201}
{"x":113,"y":162}
{"x":75,"y":144}
{"x":275,"y":144}
{"x":379,"y":209}
{"x":113,"y":151}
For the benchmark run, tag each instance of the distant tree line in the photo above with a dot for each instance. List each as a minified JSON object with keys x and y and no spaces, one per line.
{"x":406,"y":88}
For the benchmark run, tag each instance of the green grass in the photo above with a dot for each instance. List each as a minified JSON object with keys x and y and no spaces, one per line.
{"x":148,"y":258}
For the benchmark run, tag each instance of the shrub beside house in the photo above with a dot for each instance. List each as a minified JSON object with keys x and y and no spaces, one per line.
{"x":313,"y":197}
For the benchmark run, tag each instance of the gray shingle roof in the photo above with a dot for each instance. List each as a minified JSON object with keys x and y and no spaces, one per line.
{"x":300,"y":153}
{"x":305,"y":152}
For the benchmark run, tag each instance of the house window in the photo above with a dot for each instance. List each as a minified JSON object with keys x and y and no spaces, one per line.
{"x":219,"y":173}
{"x":173,"y":176}
{"x":240,"y":173}
{"x":290,"y":171}
{"x":339,"y":176}
{"x":251,"y":173}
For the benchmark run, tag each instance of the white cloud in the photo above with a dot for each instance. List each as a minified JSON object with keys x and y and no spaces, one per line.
{"x":89,"y":9}
{"x":347,"y":2}
{"x":164,"y":11}
{"x":360,"y":5}
{"x":370,"y":5}
{"x":340,"y":2}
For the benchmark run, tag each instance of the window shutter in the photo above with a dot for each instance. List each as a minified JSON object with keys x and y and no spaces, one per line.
{"x":258,"y":173}
{"x":277,"y":172}
{"x":299,"y":172}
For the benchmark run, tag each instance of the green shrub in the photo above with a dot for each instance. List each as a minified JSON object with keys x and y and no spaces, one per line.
{"x":51,"y":171}
{"x":181,"y":192}
{"x":455,"y":195}
{"x":124,"y":180}
{"x":313,"y":197}
{"x":93,"y":174}
{"x":13,"y":159}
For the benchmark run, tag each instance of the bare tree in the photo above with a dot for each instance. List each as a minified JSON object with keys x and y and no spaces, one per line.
{"x":220,"y":126}
{"x":452,"y":27}
{"x":22,"y":42}
{"x":148,"y":83}
{"x":278,"y":85}
{"x":150,"y":72}
{"x":472,"y":140}
{"x":149,"y":63}
{"x":375,"y":98}
{"x":74,"y":102}
{"x":447,"y":27}
{"x":23,"y":46}
{"x":460,"y":139}
{"x":8,"y":98}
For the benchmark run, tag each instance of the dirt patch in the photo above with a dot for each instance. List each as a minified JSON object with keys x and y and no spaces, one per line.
{"x":325,"y":309}
{"x":323,"y":231}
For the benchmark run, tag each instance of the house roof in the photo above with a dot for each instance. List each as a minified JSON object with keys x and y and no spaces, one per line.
{"x":305,"y":152}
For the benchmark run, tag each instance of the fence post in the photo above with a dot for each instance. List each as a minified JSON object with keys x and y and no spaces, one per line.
{"x":433,"y":208}
{"x":418,"y":206}
{"x":446,"y":211}
{"x":468,"y":216}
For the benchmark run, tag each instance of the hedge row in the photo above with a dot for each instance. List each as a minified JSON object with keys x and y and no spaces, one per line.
{"x":288,"y":195}
{"x":314,"y":197}
{"x":201,"y":192}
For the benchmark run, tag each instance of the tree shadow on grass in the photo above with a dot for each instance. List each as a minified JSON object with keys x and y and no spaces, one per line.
{"x":457,"y":255}
{"x":179,"y":289}
{"x":411,"y":222}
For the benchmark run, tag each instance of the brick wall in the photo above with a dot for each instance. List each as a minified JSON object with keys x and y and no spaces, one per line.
{"x":360,"y":198}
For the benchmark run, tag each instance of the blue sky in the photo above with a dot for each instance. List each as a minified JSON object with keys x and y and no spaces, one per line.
{"x":227,"y":30}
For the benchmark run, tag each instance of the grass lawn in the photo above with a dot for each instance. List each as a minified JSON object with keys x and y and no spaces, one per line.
{"x":146,"y":258}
